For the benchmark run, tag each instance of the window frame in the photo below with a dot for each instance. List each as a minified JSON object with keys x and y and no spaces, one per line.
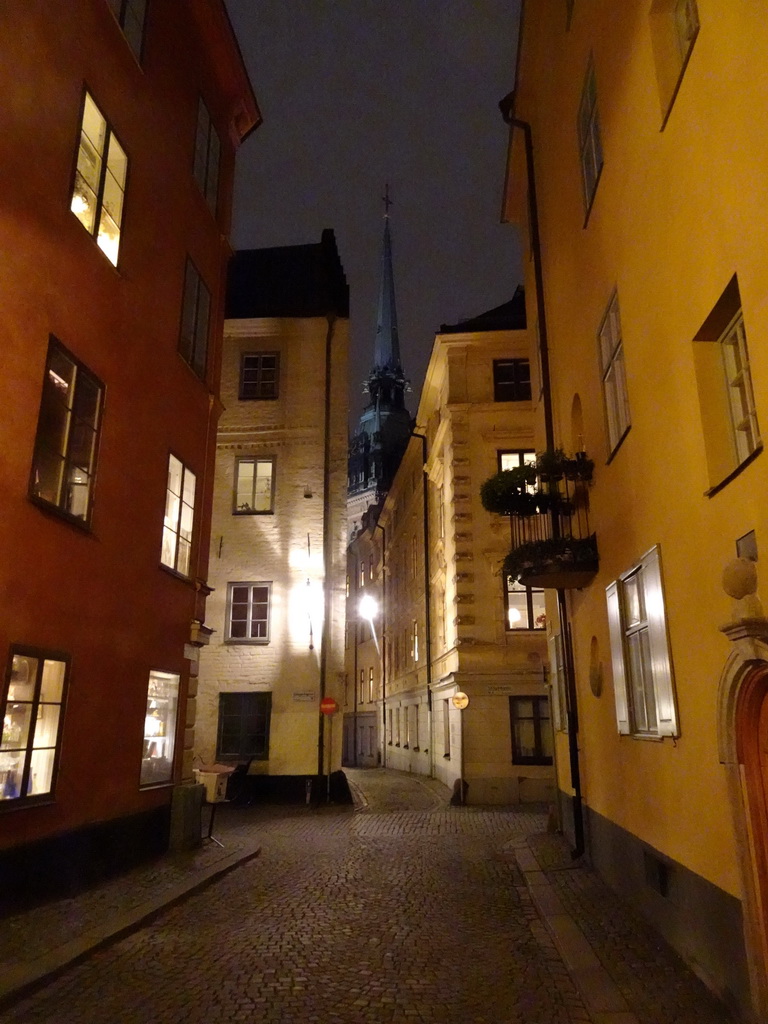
{"x":591,"y":159}
{"x":256,"y":460}
{"x":249,"y":640}
{"x":177,"y":530}
{"x":149,"y":738}
{"x":613,"y":376}
{"x":518,"y":383}
{"x":41,"y":655}
{"x":540,"y":723}
{"x":531,"y":618}
{"x":68,"y":462}
{"x":657,"y":667}
{"x":671,"y":49}
{"x":206,"y":163}
{"x":259,"y":384}
{"x":262,"y":701}
{"x":195,"y":301}
{"x":121,"y":9}
{"x":98,"y":192}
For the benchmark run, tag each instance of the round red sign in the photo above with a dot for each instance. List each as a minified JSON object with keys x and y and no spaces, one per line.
{"x":329,"y":706}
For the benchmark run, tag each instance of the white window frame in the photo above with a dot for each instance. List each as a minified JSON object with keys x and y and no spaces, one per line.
{"x":640,"y":654}
{"x":160,"y":724}
{"x":260,"y":471}
{"x":98,"y":191}
{"x":614,"y":375}
{"x":250,"y":620}
{"x":590,"y":144}
{"x":745,"y":432}
{"x":179,"y":520}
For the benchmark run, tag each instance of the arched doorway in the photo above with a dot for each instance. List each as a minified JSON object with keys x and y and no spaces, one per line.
{"x":743,"y":742}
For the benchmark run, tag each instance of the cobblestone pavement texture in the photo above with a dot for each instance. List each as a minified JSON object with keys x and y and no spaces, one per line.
{"x":405,"y":910}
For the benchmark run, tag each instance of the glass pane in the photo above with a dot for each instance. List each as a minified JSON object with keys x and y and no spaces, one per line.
{"x":245,"y":473}
{"x":113,"y":198}
{"x":201,"y":145}
{"x":214,"y":148}
{"x":183,"y":557}
{"x":159,"y":728}
{"x":263,"y":490}
{"x":260,"y":595}
{"x":52,"y":688}
{"x":168,"y":550}
{"x":632,"y":600}
{"x":201,"y":329}
{"x":172,"y":510}
{"x":238,"y":630}
{"x":11,"y":769}
{"x":94,"y":125}
{"x":189,"y":488}
{"x":53,"y":424}
{"x":16,"y":722}
{"x":47,"y":475}
{"x":517,"y":608}
{"x":46,"y":726}
{"x":85,"y":402}
{"x":240,"y":595}
{"x":539,"y":609}
{"x":134,"y":24}
{"x":23,"y":678}
{"x":82,"y":439}
{"x":525,"y":739}
{"x":187,"y":516}
{"x":523,"y":708}
{"x":41,"y":771}
{"x":78,"y":491}
{"x":89,"y":163}
{"x":109,"y":237}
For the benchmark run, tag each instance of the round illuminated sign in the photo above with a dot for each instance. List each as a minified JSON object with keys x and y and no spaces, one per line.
{"x":329,"y":706}
{"x":460,"y":700}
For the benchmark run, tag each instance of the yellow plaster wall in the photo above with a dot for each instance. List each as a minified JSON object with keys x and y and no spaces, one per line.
{"x":676,"y":213}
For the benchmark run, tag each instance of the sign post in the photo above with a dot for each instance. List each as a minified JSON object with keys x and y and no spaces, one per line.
{"x":329,"y":707}
{"x":460,"y":701}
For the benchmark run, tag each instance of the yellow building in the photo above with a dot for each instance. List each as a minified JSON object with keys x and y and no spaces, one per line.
{"x":450,"y":625}
{"x":647,"y":281}
{"x":279,"y":521}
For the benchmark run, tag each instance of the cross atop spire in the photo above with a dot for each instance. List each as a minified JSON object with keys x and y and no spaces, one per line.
{"x":386,"y":200}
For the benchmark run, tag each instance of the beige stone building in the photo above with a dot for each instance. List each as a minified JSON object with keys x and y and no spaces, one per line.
{"x":279,"y":526}
{"x":450,"y":623}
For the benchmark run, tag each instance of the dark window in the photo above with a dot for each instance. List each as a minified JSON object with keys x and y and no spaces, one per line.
{"x":131,"y":14}
{"x":207,"y":154}
{"x":243,"y":726}
{"x":531,"y":732}
{"x":511,"y":380}
{"x":195,"y":317}
{"x":590,"y":144}
{"x":33,"y":703}
{"x":259,"y":375}
{"x":248,"y":616}
{"x":525,"y":606}
{"x":67,"y":435}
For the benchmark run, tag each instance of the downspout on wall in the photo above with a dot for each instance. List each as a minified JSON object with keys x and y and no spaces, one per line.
{"x":378,"y":526}
{"x":507,"y":110}
{"x":427,"y":615}
{"x":327,"y":550}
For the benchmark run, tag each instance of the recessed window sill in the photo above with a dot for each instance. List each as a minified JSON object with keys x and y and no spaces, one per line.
{"x":251,"y":641}
{"x":62,"y":514}
{"x":734,"y":473}
{"x":176,"y":574}
{"x":619,"y":443}
{"x":447,"y":756}
{"x":21,"y":802}
{"x":253,"y":512}
{"x":156,"y":785}
{"x":591,"y":203}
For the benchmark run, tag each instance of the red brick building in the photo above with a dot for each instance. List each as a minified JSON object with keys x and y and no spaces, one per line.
{"x":121,"y":119}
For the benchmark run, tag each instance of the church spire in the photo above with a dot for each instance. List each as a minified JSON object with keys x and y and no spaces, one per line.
{"x":386,"y":355}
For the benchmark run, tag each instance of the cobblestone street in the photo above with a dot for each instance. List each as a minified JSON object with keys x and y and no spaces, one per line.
{"x":403,"y":911}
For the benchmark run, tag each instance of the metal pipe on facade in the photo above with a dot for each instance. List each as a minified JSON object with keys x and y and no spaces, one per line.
{"x":327,"y":548}
{"x":507,"y":110}
{"x":377,"y":526}
{"x":427,"y":615}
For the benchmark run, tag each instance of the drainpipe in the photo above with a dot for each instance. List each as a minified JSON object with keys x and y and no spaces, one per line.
{"x":384,"y":634}
{"x":506,"y":106}
{"x":328,"y":541}
{"x":427,"y":616}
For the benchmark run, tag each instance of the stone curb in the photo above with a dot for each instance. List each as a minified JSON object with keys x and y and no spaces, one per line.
{"x":602,"y":998}
{"x":23,"y":979}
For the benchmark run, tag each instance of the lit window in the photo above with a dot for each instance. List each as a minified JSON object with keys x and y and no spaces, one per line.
{"x":531,"y":731}
{"x":32,"y":723}
{"x":259,"y":375}
{"x":370,"y":568}
{"x":511,"y":380}
{"x":515,"y":458}
{"x":207,"y":154}
{"x":642,"y":666}
{"x":244,"y":726}
{"x":195,"y":318}
{"x":525,"y":606}
{"x":254,"y":479}
{"x":614,"y":375}
{"x":248,"y":612}
{"x":370,"y":683}
{"x":724,"y":380}
{"x":130,"y":15}
{"x":446,"y":729}
{"x":64,"y":461}
{"x":590,"y":146}
{"x":98,"y":193}
{"x":415,"y":641}
{"x":362,"y":573}
{"x":160,"y":729}
{"x":362,"y":686}
{"x":179,"y":517}
{"x":674,"y":27}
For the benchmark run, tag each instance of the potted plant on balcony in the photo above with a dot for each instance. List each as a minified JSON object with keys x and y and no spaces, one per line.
{"x":554,"y":464}
{"x":557,"y":562}
{"x":513,"y":492}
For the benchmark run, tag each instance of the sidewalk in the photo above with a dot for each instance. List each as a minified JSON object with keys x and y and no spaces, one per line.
{"x":39,"y":943}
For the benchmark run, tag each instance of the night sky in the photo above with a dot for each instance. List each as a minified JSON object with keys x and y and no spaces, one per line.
{"x":356,"y":93}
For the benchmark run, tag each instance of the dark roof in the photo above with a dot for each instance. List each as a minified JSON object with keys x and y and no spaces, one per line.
{"x":290,"y":280}
{"x":509,"y":317}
